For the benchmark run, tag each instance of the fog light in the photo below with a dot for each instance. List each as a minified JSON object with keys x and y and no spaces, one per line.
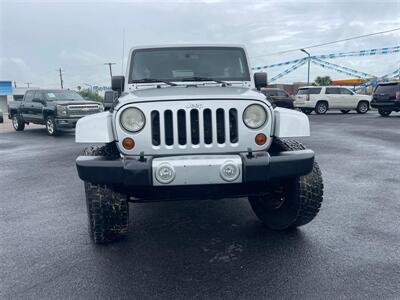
{"x":261,"y":139}
{"x":229,"y":171}
{"x":128,"y":143}
{"x":165,"y":173}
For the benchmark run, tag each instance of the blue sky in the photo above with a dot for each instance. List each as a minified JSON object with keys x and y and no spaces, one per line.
{"x":38,"y":37}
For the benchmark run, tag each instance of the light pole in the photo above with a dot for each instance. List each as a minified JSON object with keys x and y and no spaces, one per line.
{"x":109,"y":64}
{"x":308,"y":73}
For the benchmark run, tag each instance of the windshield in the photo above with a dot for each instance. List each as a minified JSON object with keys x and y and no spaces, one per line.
{"x":192,"y":63}
{"x":56,"y":95}
{"x":311,"y":91}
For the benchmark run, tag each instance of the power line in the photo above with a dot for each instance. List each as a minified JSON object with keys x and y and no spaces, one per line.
{"x":329,"y":43}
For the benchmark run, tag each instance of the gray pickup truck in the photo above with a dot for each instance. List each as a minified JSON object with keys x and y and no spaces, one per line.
{"x":56,"y":109}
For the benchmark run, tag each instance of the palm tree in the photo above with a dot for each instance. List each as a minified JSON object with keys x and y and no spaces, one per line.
{"x":325,"y":80}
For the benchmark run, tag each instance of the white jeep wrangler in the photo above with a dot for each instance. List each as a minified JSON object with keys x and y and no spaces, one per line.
{"x":190,"y":123}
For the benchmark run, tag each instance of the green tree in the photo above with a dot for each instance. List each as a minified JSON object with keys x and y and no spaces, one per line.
{"x":323,"y":80}
{"x":88,"y":94}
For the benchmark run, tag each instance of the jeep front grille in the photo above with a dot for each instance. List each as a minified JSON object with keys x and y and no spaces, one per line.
{"x":183,"y":127}
{"x":194,"y":126}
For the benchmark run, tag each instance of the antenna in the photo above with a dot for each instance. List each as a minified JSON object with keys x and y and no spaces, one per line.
{"x":123,"y":50}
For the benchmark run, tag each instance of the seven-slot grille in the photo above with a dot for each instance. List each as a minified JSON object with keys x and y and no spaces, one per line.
{"x":194,"y":126}
{"x":82,"y":109}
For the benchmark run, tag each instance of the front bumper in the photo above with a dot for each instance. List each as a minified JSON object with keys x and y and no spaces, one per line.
{"x":139,"y":175}
{"x":66,"y":122}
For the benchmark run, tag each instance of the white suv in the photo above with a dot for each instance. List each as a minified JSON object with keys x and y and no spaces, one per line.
{"x":322,"y":98}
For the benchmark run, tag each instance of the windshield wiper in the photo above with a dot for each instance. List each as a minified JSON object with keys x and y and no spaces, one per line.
{"x":145,"y":80}
{"x":196,"y":78}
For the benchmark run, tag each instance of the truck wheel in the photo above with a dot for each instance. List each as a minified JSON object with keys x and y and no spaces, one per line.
{"x":321,"y":108}
{"x":294,"y":202}
{"x":18,"y":122}
{"x":345,"y":111}
{"x":108,"y":210}
{"x":307,"y":111}
{"x":51,"y":126}
{"x":362,"y":107}
{"x":384,"y":113}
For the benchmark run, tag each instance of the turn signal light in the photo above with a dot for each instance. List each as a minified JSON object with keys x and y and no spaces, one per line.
{"x":128,"y":143}
{"x":261,"y":139}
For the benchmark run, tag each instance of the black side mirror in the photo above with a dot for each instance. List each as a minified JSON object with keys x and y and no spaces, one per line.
{"x":117,"y":84}
{"x":38,"y":100}
{"x":260,"y":80}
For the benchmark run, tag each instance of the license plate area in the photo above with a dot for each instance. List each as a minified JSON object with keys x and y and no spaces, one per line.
{"x":197,"y":170}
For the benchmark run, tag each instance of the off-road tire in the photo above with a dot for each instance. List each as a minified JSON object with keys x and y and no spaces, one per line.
{"x":345,"y":111}
{"x":51,"y":126}
{"x":362,"y":107}
{"x":108,"y":210}
{"x":307,"y":111}
{"x":384,"y":113}
{"x":321,"y":108}
{"x":302,"y":196}
{"x":18,"y":122}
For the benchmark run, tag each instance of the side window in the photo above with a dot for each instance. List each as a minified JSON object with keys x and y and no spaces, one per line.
{"x":39,"y":95}
{"x":29,"y":96}
{"x":332,"y":91}
{"x":345,"y":92}
{"x":282,"y":94}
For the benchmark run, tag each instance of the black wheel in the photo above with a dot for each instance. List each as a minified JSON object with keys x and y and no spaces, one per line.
{"x":345,"y":111}
{"x":108,"y":210}
{"x":307,"y":111}
{"x":362,"y":107}
{"x":384,"y":113}
{"x":18,"y":122}
{"x":293,"y":202}
{"x":321,"y":108}
{"x":51,"y":126}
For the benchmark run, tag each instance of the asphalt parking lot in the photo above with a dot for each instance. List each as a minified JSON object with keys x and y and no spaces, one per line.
{"x":205,"y":249}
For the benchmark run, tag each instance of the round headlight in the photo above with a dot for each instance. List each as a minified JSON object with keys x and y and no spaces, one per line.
{"x":132,"y":119}
{"x":254,"y":116}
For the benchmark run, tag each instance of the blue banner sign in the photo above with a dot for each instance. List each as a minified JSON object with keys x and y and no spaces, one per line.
{"x":5,"y":88}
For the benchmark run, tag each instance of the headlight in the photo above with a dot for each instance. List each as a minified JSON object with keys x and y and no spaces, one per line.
{"x":132,"y":119}
{"x":254,"y":116}
{"x":101,"y":107}
{"x":61,"y":110}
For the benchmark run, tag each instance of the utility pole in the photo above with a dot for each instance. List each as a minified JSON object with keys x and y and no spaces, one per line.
{"x":61,"y":79}
{"x":109,"y":65}
{"x":308,"y":72}
{"x":28,"y":84}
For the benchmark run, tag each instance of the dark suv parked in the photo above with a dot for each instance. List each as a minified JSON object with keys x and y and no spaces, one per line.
{"x":57,"y":109}
{"x":278,"y":97}
{"x":386,"y":98}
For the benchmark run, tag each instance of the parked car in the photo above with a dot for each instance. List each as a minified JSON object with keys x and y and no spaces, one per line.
{"x":386,"y":98}
{"x":109,"y":98}
{"x":278,"y":97}
{"x":56,"y":109}
{"x":189,"y":125}
{"x":323,"y":98}
{"x":1,"y":116}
